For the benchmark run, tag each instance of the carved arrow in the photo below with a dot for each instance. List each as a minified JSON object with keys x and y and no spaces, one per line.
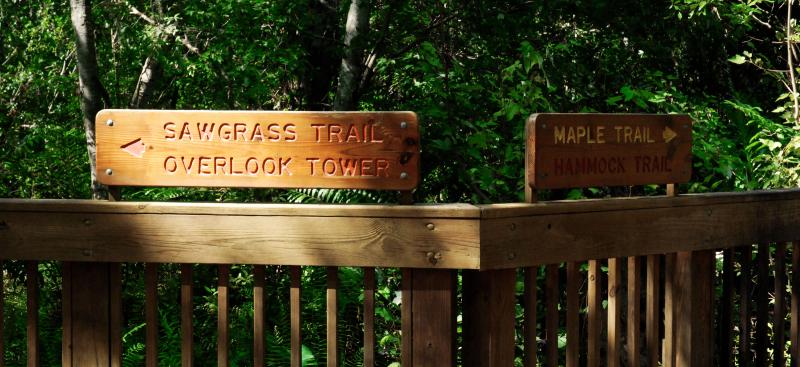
{"x":134,"y":148}
{"x":668,"y":134}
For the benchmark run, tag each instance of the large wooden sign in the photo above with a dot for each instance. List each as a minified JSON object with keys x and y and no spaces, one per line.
{"x":582,"y":150}
{"x":359,"y":150}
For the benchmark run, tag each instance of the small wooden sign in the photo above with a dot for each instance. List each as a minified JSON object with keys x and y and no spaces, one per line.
{"x":582,"y":150}
{"x":355,"y":150}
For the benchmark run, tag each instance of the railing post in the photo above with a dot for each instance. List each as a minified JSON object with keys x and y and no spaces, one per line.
{"x":429,"y":329}
{"x":489,"y":311}
{"x":693,"y":299}
{"x":87,"y":315}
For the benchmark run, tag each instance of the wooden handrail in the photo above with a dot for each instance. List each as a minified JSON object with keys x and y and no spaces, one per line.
{"x":448,"y":236}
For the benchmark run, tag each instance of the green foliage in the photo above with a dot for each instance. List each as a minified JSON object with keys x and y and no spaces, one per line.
{"x":473,"y":71}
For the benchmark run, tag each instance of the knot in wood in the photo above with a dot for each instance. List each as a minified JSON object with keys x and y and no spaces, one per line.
{"x":434,"y":257}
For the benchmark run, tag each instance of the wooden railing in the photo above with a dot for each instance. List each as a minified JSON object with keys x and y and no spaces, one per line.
{"x":659,"y":254}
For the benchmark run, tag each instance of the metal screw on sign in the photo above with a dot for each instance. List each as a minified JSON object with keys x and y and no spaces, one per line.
{"x":403,"y":125}
{"x":403,"y":175}
{"x":110,"y":122}
{"x":430,"y":226}
{"x":109,"y":172}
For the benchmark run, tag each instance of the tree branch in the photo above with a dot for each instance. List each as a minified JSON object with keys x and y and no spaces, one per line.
{"x":164,"y":30}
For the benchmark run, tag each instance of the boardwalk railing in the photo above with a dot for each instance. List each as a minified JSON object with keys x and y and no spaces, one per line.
{"x":632,"y":281}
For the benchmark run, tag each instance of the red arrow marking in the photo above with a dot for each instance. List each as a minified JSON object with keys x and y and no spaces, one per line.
{"x":134,"y":148}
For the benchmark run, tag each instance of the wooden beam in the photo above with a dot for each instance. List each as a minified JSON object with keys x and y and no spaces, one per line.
{"x":614,"y":311}
{"x":248,"y":239}
{"x":332,"y":310}
{"x":66,"y":315}
{"x":595,"y":230}
{"x":115,"y":312}
{"x":694,"y":308}
{"x":489,"y":315}
{"x":634,"y":315}
{"x":745,"y":356}
{"x":762,"y":305}
{"x":668,"y":350}
{"x":187,"y":327}
{"x":90,"y":306}
{"x":295,"y":316}
{"x":259,"y":314}
{"x":795,"y":305}
{"x":594,"y":311}
{"x":223,"y":317}
{"x":725,"y":344}
{"x":552,"y":300}
{"x":529,"y":325}
{"x":369,"y":317}
{"x":653,"y":309}
{"x":151,"y":313}
{"x":32,"y":285}
{"x":573,"y":315}
{"x":779,"y":313}
{"x":433,"y":317}
{"x":440,"y":237}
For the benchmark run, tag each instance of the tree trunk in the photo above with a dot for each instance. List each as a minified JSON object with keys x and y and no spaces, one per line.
{"x":350,"y":72}
{"x":92,"y":92}
{"x":147,"y":84}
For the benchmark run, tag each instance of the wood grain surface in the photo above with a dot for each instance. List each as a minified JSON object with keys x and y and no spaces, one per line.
{"x":357,"y":150}
{"x":447,"y":236}
{"x":273,"y":240}
{"x":581,"y":150}
{"x":605,"y":229}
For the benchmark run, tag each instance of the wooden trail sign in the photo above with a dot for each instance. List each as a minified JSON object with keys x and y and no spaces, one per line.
{"x":357,"y":150}
{"x":582,"y":150}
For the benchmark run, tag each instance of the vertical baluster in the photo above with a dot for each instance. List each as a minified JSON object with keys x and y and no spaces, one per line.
{"x":369,"y":317}
{"x":32,"y":283}
{"x":115,"y":313}
{"x":693,"y":308}
{"x":66,"y":315}
{"x":259,"y":302}
{"x":594,"y":311}
{"x":573,"y":311}
{"x":745,"y":357}
{"x":151,"y":313}
{"x":406,"y":318}
{"x":779,"y":316}
{"x":552,"y":314}
{"x":614,"y":308}
{"x":653,"y":309}
{"x":187,"y":329}
{"x":762,"y":304}
{"x":333,"y":315}
{"x":725,"y":345}
{"x":2,"y":306}
{"x":222,"y":315}
{"x":668,"y":352}
{"x":531,"y":344}
{"x":294,"y":307}
{"x":795,"y":327}
{"x":634,"y":311}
